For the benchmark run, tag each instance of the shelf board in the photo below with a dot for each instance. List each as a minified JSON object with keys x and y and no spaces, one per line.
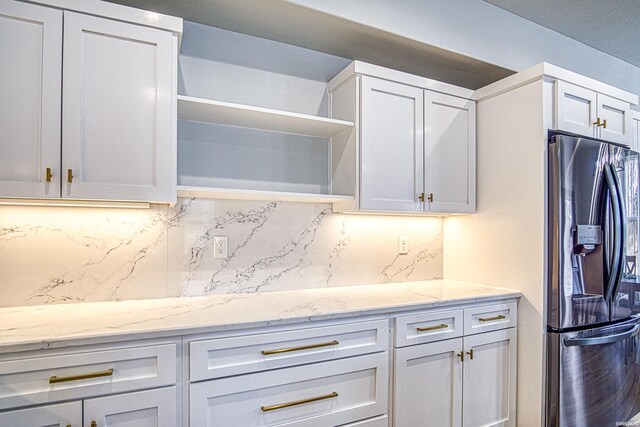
{"x":238,"y":194}
{"x":227,"y":113}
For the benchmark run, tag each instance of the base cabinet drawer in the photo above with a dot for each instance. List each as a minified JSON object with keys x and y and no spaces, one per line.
{"x":382,"y":421}
{"x":489,"y":318}
{"x":321,"y":394}
{"x":221,"y":357}
{"x":76,"y":375}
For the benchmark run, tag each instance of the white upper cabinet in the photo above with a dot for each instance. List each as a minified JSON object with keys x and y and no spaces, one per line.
{"x":413,"y":148}
{"x":450,"y":157}
{"x":88,"y":112}
{"x":636,"y":131}
{"x":117,"y":111}
{"x":585,"y":112}
{"x":392,"y":146}
{"x":30,"y":76}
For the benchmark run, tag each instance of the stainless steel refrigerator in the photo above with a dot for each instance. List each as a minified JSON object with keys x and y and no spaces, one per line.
{"x":593,"y":345}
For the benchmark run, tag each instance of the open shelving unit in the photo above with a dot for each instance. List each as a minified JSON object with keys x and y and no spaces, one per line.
{"x":246,"y":116}
{"x":230,"y":114}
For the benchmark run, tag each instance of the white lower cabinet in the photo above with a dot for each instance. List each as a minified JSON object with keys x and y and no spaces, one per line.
{"x":468,"y":381}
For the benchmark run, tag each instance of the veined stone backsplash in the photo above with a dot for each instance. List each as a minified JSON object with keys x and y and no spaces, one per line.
{"x":57,"y":255}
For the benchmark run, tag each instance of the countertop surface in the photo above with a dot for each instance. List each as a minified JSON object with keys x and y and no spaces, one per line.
{"x":49,"y":326}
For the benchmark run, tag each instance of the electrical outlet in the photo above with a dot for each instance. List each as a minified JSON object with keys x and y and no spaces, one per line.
{"x":220,"y":246}
{"x":403,"y":245}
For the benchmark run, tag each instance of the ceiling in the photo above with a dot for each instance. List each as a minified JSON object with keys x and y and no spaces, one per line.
{"x":611,"y":26}
{"x":308,"y":28}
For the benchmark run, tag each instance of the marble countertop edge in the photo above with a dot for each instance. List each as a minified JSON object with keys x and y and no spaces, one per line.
{"x":32,"y":328}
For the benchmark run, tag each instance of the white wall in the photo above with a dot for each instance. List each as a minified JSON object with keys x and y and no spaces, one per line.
{"x":485,"y":32}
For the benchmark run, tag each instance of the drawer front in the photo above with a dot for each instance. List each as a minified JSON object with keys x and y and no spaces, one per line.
{"x":78,"y":375}
{"x":382,"y":421}
{"x":223,"y":357}
{"x":327,"y":393}
{"x":490,"y":318}
{"x":428,"y":327}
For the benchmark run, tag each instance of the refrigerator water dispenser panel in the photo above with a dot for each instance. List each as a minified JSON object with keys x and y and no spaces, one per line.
{"x":586,"y":238}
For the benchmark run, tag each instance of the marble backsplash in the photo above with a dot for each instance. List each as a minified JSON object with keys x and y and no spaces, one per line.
{"x":57,"y":255}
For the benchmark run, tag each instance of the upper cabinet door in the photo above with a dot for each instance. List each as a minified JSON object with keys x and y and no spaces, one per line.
{"x":392,"y":146}
{"x":30,"y":85}
{"x":576,"y":109}
{"x":635,"y":124}
{"x":618,"y":116}
{"x":117,"y":111}
{"x":450,"y":153}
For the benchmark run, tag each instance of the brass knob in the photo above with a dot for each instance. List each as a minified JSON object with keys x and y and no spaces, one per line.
{"x":94,"y":424}
{"x":69,"y":176}
{"x":598,"y":122}
{"x":470,"y":353}
{"x":604,"y":123}
{"x":421,"y":197}
{"x":48,"y":175}
{"x":461,"y":356}
{"x":430,"y":198}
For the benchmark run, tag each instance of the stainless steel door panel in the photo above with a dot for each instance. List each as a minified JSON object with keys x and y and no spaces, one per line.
{"x":593,"y":376}
{"x":577,"y":197}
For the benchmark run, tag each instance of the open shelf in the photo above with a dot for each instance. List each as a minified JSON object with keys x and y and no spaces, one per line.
{"x":227,"y":113}
{"x":238,"y":194}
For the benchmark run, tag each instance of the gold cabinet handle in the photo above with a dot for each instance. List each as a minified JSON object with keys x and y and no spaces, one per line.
{"x":430,"y":198}
{"x":470,"y":353}
{"x":94,"y":424}
{"x":490,"y":319}
{"x":598,"y":122}
{"x":421,"y":197}
{"x":433,"y":328}
{"x":604,"y":123}
{"x":298,"y":402}
{"x":54,"y":379}
{"x":299,"y":348}
{"x":69,"y":176}
{"x":48,"y":175}
{"x":461,"y":356}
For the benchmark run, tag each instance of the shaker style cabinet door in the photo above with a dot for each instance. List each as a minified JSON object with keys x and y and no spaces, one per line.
{"x":151,"y":408}
{"x":489,"y":379}
{"x":450,"y":153}
{"x":619,"y":119}
{"x":392,"y":146}
{"x":30,"y":75}
{"x":428,"y":385}
{"x":576,"y":109}
{"x":62,"y":415}
{"x":117,"y":111}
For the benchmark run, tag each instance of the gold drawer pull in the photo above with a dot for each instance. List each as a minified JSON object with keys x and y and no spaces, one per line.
{"x":94,"y":424}
{"x":69,"y":176}
{"x":48,"y":175}
{"x":302,"y":347}
{"x":489,"y":319}
{"x":298,"y":402}
{"x":54,"y":379}
{"x":470,"y":353}
{"x":433,"y":328}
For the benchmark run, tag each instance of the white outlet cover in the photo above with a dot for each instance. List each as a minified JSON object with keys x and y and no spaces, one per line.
{"x":220,"y":247}
{"x":403,"y":245}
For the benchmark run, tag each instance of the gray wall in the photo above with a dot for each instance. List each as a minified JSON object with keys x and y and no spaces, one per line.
{"x":485,"y":32}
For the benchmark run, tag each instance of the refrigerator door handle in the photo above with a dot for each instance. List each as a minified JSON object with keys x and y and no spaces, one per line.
{"x":623,"y":232}
{"x":608,"y":339}
{"x":617,"y":232}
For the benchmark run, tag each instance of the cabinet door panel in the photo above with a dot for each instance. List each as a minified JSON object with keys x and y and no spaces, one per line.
{"x":62,"y":415}
{"x":117,"y":110}
{"x":30,"y":85}
{"x":450,"y":161}
{"x":392,"y":148}
{"x":151,"y":408}
{"x":636,"y":131}
{"x":575,"y":109}
{"x":490,"y":379}
{"x":428,"y":385}
{"x":619,"y":121}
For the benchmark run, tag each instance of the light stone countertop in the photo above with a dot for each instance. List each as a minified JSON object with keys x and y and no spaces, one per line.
{"x":49,"y":326}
